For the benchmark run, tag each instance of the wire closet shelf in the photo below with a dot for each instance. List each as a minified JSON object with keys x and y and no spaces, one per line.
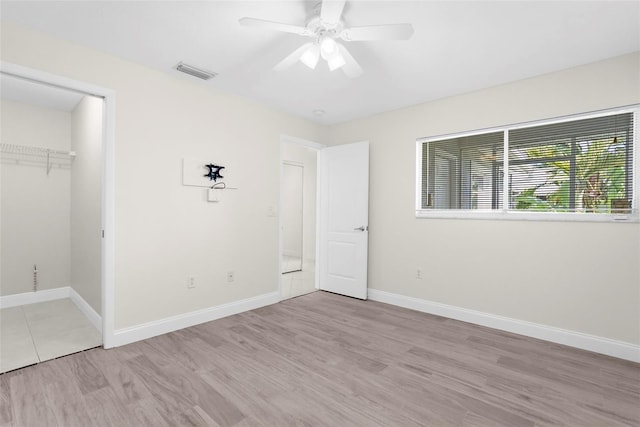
{"x":26,"y":152}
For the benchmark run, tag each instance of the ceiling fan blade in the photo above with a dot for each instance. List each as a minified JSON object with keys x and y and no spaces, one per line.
{"x":351,"y":67}
{"x":378,"y":32}
{"x":331,"y":11}
{"x":275,"y":26}
{"x":292,"y":58}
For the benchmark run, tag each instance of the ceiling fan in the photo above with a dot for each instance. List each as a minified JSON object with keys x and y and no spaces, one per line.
{"x":325,"y":29}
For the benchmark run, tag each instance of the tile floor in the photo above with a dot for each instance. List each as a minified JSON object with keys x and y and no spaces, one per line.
{"x":37,"y":332}
{"x":299,"y":282}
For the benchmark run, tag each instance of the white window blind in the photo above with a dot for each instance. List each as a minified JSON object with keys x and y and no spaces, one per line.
{"x":464,"y":172}
{"x":582,"y":165}
{"x":577,"y":166}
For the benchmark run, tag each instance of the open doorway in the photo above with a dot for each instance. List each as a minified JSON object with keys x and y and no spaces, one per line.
{"x":298,"y":230}
{"x":293,"y":198}
{"x":51,"y":197}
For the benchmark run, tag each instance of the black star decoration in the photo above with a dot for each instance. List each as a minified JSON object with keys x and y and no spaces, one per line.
{"x":214,"y":172}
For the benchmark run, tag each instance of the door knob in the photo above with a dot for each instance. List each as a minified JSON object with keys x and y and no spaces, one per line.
{"x":361,"y":228}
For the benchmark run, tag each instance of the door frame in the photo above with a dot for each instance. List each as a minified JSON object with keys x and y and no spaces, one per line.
{"x":286,"y":139}
{"x":108,"y":179}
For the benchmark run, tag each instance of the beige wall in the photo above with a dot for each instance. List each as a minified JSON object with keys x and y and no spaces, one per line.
{"x":34,"y":226}
{"x":86,"y":201}
{"x":583,"y":277}
{"x":166,"y":232}
{"x":578,"y":276}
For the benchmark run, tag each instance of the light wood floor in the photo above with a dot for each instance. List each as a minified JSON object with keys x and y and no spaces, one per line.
{"x":322,"y":359}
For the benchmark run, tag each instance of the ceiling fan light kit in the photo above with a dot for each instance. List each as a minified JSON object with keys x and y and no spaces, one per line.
{"x":311,"y":56}
{"x":327,"y":46}
{"x":324,"y":29}
{"x":336,"y":61}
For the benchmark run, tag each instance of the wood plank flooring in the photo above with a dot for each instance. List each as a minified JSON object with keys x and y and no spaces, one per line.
{"x":326,"y":360}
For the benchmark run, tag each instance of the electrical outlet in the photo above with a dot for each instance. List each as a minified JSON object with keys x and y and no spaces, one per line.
{"x":230,"y":276}
{"x":419,"y":273}
{"x":191,"y":282}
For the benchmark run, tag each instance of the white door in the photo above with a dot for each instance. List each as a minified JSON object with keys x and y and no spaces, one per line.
{"x":344,"y":219}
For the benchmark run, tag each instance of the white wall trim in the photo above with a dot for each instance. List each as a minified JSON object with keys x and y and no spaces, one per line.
{"x":34,"y":297}
{"x":86,"y":309}
{"x":620,"y":349}
{"x":180,"y":321}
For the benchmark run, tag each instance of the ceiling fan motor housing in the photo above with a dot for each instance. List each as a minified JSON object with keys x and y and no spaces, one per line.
{"x":320,"y":28}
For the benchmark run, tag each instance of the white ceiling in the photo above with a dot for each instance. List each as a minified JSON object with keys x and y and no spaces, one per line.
{"x":458,"y":46}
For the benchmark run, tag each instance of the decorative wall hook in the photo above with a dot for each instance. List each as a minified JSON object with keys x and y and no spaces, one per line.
{"x":214,"y":172}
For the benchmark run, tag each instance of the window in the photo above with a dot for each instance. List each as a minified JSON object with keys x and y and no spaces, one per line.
{"x":577,"y":167}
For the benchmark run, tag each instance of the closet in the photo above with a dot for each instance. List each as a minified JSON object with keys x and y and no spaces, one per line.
{"x":50,"y":222}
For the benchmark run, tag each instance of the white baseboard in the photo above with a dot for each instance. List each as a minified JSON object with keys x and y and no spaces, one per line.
{"x":86,"y":309}
{"x":173,"y":323}
{"x":619,"y":349}
{"x":34,"y":297}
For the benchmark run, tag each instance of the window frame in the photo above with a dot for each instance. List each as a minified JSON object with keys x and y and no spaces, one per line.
{"x":503,"y":212}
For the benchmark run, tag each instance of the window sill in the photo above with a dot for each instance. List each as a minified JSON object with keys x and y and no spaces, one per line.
{"x":527,"y":216}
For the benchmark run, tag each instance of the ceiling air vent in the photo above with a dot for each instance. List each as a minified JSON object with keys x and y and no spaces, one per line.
{"x":195,"y":72}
